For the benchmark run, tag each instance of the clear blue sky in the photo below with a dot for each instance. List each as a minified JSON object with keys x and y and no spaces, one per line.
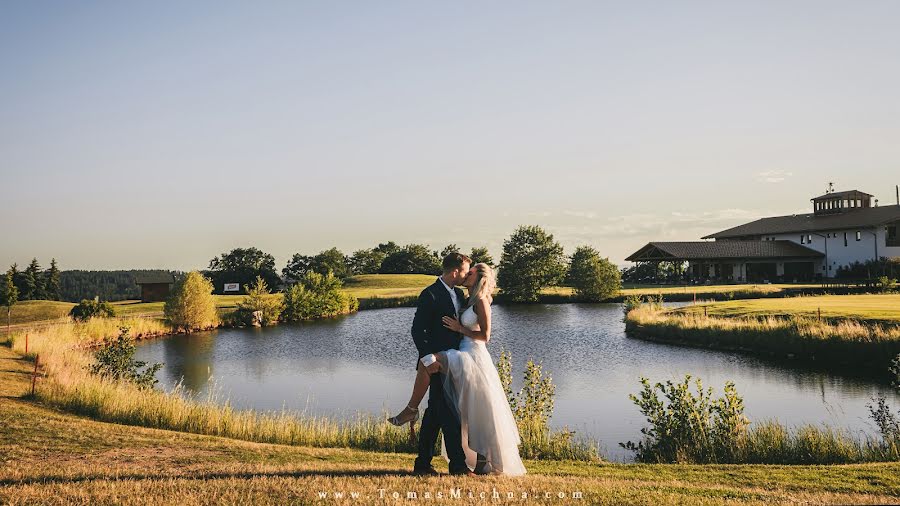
{"x":160,"y":134}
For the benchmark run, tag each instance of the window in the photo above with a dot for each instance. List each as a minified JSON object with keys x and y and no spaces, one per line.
{"x":858,"y":235}
{"x":891,"y":238}
{"x":845,"y":239}
{"x":802,"y":239}
{"x":809,"y":238}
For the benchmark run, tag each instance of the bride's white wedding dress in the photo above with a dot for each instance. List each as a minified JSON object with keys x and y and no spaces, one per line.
{"x":472,"y":387}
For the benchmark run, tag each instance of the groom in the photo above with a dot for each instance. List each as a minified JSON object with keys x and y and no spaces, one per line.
{"x":443,"y":298}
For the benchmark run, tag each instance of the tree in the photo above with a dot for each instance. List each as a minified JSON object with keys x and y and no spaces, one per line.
{"x":9,"y":294}
{"x":192,"y":305}
{"x":51,"y":281}
{"x":331,"y":260}
{"x":387,"y":248}
{"x":412,"y":259}
{"x":481,"y":256}
{"x":593,"y":278}
{"x":115,"y":362}
{"x":531,"y":260}
{"x":296,"y":268}
{"x":450,"y":248}
{"x":366,"y":261}
{"x":243,"y":265}
{"x":259,"y":300}
{"x":30,"y":279}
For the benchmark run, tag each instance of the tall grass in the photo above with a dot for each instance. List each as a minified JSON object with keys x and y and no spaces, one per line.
{"x":847,"y":342}
{"x":65,"y":359}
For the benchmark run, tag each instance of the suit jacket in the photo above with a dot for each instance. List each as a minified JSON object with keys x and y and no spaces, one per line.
{"x":428,"y":330}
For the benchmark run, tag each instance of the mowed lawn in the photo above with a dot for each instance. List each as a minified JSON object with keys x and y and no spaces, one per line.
{"x":57,"y":458}
{"x":871,"y":307}
{"x":368,"y":286}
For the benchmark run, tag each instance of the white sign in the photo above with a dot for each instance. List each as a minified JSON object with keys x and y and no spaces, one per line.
{"x":232,"y":287}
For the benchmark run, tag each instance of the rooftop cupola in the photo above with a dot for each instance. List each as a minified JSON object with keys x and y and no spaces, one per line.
{"x":840,"y":202}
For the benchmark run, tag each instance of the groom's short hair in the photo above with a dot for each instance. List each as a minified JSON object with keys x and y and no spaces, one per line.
{"x":454,"y":261}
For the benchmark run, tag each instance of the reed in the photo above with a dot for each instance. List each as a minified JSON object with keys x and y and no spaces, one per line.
{"x":845,"y":342}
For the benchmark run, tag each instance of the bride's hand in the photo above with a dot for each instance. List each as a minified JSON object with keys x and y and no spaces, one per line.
{"x":452,"y":324}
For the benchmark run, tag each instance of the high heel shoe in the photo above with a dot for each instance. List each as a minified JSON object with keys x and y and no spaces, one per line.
{"x":401,"y":419}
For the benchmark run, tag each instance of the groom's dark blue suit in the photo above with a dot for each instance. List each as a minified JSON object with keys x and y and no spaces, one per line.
{"x":431,"y":336}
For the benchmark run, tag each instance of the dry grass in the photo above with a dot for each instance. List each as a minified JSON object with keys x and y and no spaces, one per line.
{"x":883,"y":308}
{"x":846,"y":342}
{"x":58,"y":458}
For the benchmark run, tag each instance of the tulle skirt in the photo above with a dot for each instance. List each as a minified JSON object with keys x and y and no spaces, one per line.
{"x":473,"y":390}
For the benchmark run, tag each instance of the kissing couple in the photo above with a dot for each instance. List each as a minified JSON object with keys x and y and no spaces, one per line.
{"x":466,"y":400}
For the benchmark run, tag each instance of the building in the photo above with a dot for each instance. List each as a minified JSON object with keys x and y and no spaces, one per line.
{"x":844,"y":228}
{"x":155,"y":286}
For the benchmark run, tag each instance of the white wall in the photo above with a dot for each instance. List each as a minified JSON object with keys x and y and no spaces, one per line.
{"x":840,"y":255}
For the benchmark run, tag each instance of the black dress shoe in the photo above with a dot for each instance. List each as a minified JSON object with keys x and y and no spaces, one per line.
{"x":464,"y":472}
{"x":426,"y":471}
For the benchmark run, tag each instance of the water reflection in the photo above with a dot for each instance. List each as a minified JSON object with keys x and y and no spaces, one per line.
{"x":365,"y":362}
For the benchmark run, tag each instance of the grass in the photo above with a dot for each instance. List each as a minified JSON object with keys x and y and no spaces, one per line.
{"x":52,"y":456}
{"x":376,"y":291}
{"x":65,"y":357}
{"x":846,"y":342}
{"x":884,"y":308}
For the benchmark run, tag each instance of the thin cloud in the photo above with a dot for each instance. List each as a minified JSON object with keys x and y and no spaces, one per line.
{"x":773,"y":176}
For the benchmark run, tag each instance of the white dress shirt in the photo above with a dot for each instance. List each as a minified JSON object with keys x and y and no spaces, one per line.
{"x":453,"y":296}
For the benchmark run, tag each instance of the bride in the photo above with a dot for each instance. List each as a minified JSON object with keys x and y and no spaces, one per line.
{"x":472,"y":385}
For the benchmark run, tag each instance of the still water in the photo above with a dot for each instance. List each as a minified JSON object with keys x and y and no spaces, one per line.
{"x":365,"y":362}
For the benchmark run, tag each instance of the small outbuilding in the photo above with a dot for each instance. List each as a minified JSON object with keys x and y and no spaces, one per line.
{"x":155,"y":286}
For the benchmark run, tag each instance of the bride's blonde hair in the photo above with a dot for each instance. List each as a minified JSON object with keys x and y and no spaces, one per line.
{"x":484,"y":283}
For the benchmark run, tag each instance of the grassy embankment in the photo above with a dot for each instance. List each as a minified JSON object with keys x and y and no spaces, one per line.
{"x":54,"y":457}
{"x":854,"y":330}
{"x":65,"y":353}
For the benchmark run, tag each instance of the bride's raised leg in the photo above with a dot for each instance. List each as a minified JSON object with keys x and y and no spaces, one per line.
{"x":423,"y":380}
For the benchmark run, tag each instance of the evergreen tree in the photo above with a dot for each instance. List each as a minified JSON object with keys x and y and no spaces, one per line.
{"x":450,"y":248}
{"x":33,"y":289}
{"x":9,"y":294}
{"x":51,"y":281}
{"x":481,"y":256}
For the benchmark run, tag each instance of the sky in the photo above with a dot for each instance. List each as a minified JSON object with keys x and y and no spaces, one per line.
{"x":161,"y":134}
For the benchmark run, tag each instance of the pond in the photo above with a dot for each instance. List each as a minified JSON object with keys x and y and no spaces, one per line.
{"x":365,"y":363}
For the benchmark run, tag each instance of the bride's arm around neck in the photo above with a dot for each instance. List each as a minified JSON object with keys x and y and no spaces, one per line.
{"x":482,"y":308}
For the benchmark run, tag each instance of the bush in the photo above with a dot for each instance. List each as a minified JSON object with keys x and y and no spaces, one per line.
{"x":192,"y":305}
{"x":531,"y":261}
{"x":687,"y":426}
{"x":532,"y":407}
{"x":115,"y":361}
{"x":87,"y":309}
{"x":593,"y":278}
{"x":885,"y":284}
{"x":317,"y":296}
{"x":260,"y":306}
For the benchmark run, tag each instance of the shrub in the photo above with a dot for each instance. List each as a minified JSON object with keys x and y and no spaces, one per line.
{"x":87,"y":309}
{"x":687,"y":426}
{"x":532,"y":407}
{"x":885,"y":284}
{"x":317,"y":296}
{"x":192,"y":305}
{"x":593,"y":278}
{"x":115,"y":361}
{"x":260,"y":306}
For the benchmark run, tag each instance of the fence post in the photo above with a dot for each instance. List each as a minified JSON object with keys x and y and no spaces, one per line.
{"x":26,"y":343}
{"x":35,"y":374}
{"x":820,"y":314}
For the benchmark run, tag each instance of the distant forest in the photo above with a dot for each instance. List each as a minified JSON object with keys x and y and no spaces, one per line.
{"x":109,"y":285}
